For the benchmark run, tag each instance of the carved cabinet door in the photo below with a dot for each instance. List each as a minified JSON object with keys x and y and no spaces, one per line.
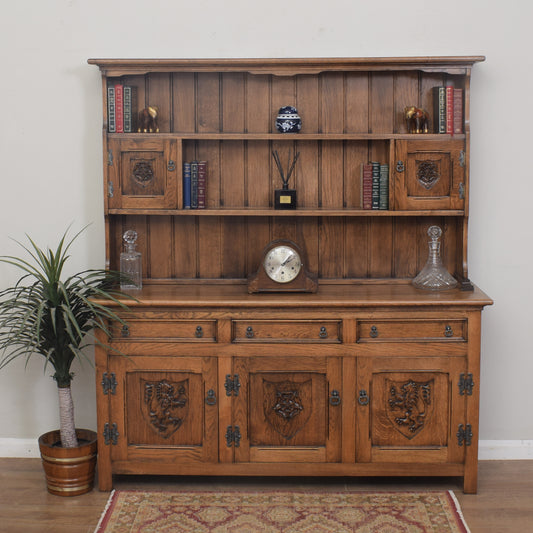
{"x":288,"y":409}
{"x":142,"y":174}
{"x":165,"y":414}
{"x":410,"y":409}
{"x":429,"y":175}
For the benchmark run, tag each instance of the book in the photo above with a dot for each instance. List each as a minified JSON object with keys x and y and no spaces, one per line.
{"x":458,"y":114}
{"x":375,"y":184}
{"x":384,"y":186}
{"x":186,"y":185}
{"x":202,"y":184}
{"x":439,"y":109}
{"x":366,"y":171}
{"x":111,"y":124}
{"x":449,"y":109}
{"x":194,"y":184}
{"x":119,"y":108}
{"x":130,"y":107}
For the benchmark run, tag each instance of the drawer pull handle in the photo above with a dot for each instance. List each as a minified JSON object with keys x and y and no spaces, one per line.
{"x":448,"y":331}
{"x":373,"y":332}
{"x":199,"y":332}
{"x":363,"y":397}
{"x":211,"y":398}
{"x":323,"y":333}
{"x":335,"y":398}
{"x":125,"y":330}
{"x":249,"y":332}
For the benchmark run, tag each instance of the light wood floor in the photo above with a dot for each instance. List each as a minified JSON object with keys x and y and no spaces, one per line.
{"x":504,"y":502}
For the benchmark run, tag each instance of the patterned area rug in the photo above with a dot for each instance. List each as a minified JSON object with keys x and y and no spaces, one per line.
{"x":282,"y":511}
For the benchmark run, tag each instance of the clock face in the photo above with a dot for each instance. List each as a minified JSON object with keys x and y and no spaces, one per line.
{"x":282,"y":264}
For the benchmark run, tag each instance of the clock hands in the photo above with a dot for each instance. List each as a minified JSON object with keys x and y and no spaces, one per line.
{"x":289,"y":259}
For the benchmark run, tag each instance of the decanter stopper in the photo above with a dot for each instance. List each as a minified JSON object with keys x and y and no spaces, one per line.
{"x":434,"y":276}
{"x":131,"y":262}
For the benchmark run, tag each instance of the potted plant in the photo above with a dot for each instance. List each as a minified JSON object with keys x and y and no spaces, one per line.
{"x":56,"y":318}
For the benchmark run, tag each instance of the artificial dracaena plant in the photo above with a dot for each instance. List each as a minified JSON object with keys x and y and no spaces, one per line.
{"x":54,"y":316}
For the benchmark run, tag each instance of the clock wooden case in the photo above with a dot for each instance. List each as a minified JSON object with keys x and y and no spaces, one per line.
{"x":221,"y":381}
{"x":283,"y":269}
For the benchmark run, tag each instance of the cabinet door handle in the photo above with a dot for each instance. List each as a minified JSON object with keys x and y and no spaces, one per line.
{"x":199,"y":332}
{"x":335,"y":398}
{"x":363,"y":397}
{"x":400,"y":167}
{"x":171,"y":166}
{"x":211,"y":398}
{"x":249,"y":332}
{"x":323,"y":333}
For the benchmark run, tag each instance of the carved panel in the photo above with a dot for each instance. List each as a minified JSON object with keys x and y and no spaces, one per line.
{"x":143,"y":172}
{"x":427,"y":173}
{"x":164,"y":405}
{"x":409,"y":405}
{"x":287,"y":406}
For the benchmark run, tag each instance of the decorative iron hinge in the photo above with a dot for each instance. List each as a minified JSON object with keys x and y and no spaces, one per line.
{"x":110,"y":189}
{"x":466,"y":384}
{"x":110,"y":158}
{"x":464,"y":435}
{"x":111,"y":434}
{"x":232,"y":385}
{"x":233,"y":436}
{"x":461,"y":191}
{"x":462,"y":158}
{"x":109,"y":383}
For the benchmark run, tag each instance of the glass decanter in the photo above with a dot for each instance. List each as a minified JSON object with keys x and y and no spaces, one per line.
{"x":131,"y":262}
{"x":434,"y":276}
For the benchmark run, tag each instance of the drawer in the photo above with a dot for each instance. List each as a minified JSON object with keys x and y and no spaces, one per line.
{"x":297,"y":331}
{"x":414,"y":330}
{"x":168,"y":330}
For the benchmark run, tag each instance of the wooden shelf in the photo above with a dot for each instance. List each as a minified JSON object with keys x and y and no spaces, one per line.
{"x":287,"y":136}
{"x":304,"y":212}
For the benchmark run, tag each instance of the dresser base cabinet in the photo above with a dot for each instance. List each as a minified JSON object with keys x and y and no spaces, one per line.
{"x":351,"y":381}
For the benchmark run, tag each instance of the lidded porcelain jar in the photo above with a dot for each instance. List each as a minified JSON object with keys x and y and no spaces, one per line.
{"x":288,"y":120}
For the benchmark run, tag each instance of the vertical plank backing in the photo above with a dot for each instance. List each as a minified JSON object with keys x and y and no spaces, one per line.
{"x":381,"y":102}
{"x":357,"y":247}
{"x":160,"y":243}
{"x":406,"y":93}
{"x":208,"y":103}
{"x":405,"y":247}
{"x":185,"y":246}
{"x":183,"y":103}
{"x":159,"y":94}
{"x":357,"y":102}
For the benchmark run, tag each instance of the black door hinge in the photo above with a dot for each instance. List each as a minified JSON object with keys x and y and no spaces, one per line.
{"x":464,"y":435}
{"x":233,"y":436}
{"x":466,"y":384}
{"x":109,"y":383}
{"x":232,"y":385}
{"x":111,"y":434}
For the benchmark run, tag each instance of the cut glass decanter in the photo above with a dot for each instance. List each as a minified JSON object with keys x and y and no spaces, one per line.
{"x":131,"y":262}
{"x":434,"y":276}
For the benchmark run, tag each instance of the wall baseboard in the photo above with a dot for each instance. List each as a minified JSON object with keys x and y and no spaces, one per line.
{"x":488,"y":449}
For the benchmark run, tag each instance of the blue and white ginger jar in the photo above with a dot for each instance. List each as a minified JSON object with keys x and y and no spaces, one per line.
{"x":288,"y":120}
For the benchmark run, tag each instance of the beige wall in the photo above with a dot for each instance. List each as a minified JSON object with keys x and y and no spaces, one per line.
{"x":51,"y":157}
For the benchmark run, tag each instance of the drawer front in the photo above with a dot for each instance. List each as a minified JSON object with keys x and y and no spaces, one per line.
{"x":298,"y":331}
{"x":168,"y":330}
{"x":415,"y":330}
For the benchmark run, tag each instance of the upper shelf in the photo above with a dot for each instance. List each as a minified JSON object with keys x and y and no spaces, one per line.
{"x":289,"y":136}
{"x":286,"y":66}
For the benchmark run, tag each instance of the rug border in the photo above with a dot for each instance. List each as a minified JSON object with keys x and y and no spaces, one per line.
{"x":452,"y":499}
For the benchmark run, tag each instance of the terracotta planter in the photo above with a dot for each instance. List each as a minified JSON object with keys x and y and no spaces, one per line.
{"x":69,"y":471}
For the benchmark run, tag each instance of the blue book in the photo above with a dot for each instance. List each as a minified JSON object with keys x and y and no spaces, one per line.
{"x":186,"y":185}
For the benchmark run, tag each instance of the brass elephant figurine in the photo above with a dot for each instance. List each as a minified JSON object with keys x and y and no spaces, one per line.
{"x":417,"y":120}
{"x":148,"y":120}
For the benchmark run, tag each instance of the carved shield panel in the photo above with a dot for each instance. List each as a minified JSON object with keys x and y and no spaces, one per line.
{"x":409,"y":405}
{"x":287,"y":406}
{"x":165,"y":405}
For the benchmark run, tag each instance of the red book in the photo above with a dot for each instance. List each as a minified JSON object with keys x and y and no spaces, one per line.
{"x":449,"y":110}
{"x":119,"y":108}
{"x":367,"y":186}
{"x":458,"y":111}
